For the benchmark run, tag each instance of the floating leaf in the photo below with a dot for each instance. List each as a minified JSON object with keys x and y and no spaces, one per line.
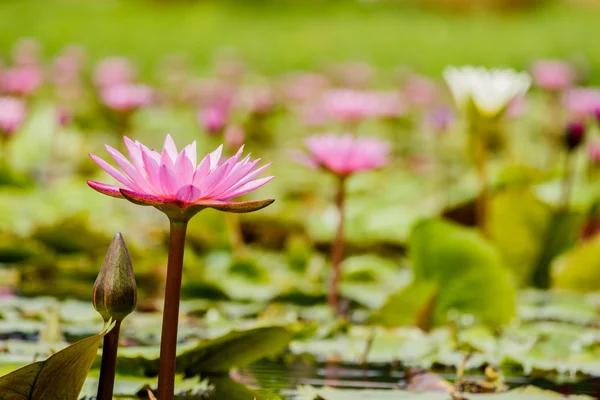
{"x":411,"y":306}
{"x":61,"y":376}
{"x":468,"y":270}
{"x":235,"y":349}
{"x":579,"y":269}
{"x":517,"y":220}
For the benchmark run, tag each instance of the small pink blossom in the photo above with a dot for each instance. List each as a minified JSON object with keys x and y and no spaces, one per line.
{"x":593,"y":152}
{"x":114,"y":71}
{"x":12,"y":115}
{"x":303,"y":86}
{"x":582,"y":103}
{"x":259,"y":99}
{"x":553,"y":74}
{"x":20,"y":81}
{"x":388,"y":105}
{"x":213,"y":119}
{"x":420,"y":91}
{"x":68,"y":66}
{"x":349,"y":105}
{"x":127,"y":98}
{"x":174,"y":183}
{"x":234,"y":136}
{"x":440,"y":118}
{"x":344,"y":155}
{"x":64,"y":117}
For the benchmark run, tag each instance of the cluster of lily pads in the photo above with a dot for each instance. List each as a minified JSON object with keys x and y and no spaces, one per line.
{"x":444,"y":201}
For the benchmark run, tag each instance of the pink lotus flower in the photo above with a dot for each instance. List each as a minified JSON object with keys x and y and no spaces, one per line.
{"x":553,"y":74}
{"x":114,"y":71}
{"x":344,"y":155}
{"x":126,"y":98}
{"x":174,"y":184}
{"x":213,"y":119}
{"x":12,"y":115}
{"x":349,"y":105}
{"x":20,"y":81}
{"x":582,"y":102}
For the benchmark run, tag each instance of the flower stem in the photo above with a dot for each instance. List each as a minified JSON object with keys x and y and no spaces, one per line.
{"x":109,"y":361}
{"x":168,"y":342}
{"x":337,"y":250}
{"x":482,"y":202}
{"x":567,"y":183}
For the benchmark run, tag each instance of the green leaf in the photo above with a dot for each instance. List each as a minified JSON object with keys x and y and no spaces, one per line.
{"x":219,"y":355}
{"x":562,"y":232}
{"x":235,"y":349}
{"x":61,"y":376}
{"x":517,"y":220}
{"x":410,"y":306}
{"x":579,"y":269}
{"x":468,"y":270}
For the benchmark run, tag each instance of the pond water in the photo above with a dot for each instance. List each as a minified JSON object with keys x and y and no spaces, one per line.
{"x":270,"y":378}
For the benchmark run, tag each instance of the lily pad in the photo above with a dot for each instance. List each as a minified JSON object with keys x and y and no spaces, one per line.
{"x":61,"y":376}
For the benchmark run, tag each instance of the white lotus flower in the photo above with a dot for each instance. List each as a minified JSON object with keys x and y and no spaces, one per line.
{"x":490,"y":91}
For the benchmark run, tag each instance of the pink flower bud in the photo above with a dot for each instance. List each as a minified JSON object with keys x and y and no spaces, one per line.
{"x":115,"y":290}
{"x":574,"y":135}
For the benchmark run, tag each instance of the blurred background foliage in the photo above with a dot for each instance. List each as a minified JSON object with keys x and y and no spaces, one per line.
{"x":280,"y":35}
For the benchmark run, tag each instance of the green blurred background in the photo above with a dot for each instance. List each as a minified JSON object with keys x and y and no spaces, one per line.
{"x":275,"y":36}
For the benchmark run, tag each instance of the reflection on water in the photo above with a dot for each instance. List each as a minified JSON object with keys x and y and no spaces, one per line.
{"x":269,"y":378}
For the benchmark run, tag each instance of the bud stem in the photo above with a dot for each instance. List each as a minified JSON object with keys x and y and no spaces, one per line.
{"x":168,"y":342}
{"x":109,"y":361}
{"x":337,"y":249}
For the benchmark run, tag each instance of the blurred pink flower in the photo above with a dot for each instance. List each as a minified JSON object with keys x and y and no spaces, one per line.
{"x":420,"y":91}
{"x":20,"y":81}
{"x":234,"y":136}
{"x":582,"y":103}
{"x":349,"y":105}
{"x":388,"y":105}
{"x":440,"y":118}
{"x":12,"y":115}
{"x":303,"y":86}
{"x":68,"y":66}
{"x":258,"y":99}
{"x":593,"y":152}
{"x":114,"y":71}
{"x":64,"y":117}
{"x":344,"y":155}
{"x":176,"y":185}
{"x":126,"y":97}
{"x":213,"y":119}
{"x":553,"y":74}
{"x":517,"y":107}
